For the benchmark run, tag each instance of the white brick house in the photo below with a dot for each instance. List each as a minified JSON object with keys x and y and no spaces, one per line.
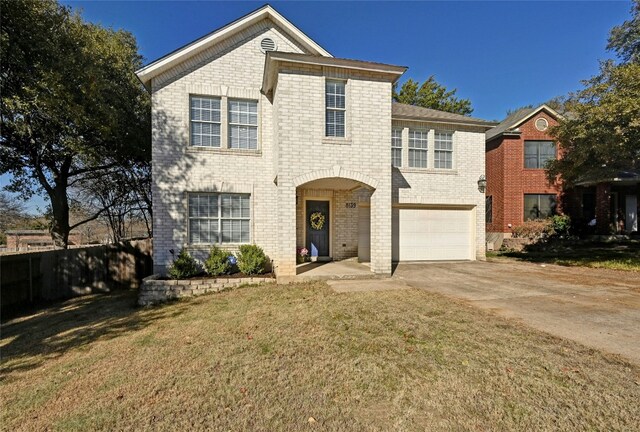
{"x":257,"y":130}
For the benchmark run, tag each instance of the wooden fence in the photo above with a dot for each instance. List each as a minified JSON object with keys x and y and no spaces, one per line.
{"x":27,"y":279}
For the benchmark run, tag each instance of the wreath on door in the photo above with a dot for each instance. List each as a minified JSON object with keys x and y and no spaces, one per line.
{"x":316,"y":220}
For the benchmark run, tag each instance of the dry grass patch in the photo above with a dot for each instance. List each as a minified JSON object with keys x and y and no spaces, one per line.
{"x":269,"y":358}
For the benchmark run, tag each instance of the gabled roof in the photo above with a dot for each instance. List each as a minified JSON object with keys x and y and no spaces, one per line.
{"x":277,"y":56}
{"x":510,"y":124}
{"x":156,"y":67}
{"x":411,"y":112}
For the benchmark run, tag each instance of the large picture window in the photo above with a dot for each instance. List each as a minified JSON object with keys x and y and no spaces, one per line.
{"x":204,"y":117}
{"x":335,"y":108}
{"x":443,"y":150}
{"x":418,"y":148}
{"x":396,"y":147}
{"x":537,"y":153}
{"x":539,"y":206}
{"x":243,"y":124}
{"x":219,"y":218}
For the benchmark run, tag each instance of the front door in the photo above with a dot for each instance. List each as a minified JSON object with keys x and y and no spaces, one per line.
{"x":317,"y":227}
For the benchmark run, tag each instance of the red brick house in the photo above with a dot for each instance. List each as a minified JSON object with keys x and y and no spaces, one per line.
{"x":516,"y":151}
{"x":517,"y":187}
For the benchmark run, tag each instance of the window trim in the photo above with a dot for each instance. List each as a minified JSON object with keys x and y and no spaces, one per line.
{"x":436,"y":150}
{"x":191,"y":96}
{"x":538,"y":195}
{"x":538,"y":165}
{"x":424,"y":150}
{"x":396,"y":147}
{"x":229,"y":124}
{"x":327,"y":109}
{"x":218,"y":218}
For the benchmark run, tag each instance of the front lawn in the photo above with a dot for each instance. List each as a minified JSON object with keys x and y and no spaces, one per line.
{"x":625,"y":256}
{"x":301,"y":357}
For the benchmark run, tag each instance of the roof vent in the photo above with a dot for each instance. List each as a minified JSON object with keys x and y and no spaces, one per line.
{"x":542,"y":124}
{"x":267,"y":44}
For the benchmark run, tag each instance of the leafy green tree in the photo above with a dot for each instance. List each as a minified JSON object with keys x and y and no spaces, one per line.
{"x":624,"y":39}
{"x":602,"y":135}
{"x":71,"y":104}
{"x":430,"y":94}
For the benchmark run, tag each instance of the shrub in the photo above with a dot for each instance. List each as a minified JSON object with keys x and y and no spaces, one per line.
{"x":534,"y":229}
{"x":561,"y":225}
{"x":217,"y":262}
{"x":251,"y":259}
{"x":184,"y":266}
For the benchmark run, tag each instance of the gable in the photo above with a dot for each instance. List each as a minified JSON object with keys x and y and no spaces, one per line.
{"x":236,"y":61}
{"x":230,"y":32}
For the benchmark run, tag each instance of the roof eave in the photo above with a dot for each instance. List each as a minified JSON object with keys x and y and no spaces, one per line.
{"x":485,"y":125}
{"x":148,"y":72}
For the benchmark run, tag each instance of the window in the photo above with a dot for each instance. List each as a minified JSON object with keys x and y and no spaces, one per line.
{"x":205,"y":121}
{"x":537,"y":153}
{"x":539,"y":206}
{"x":243,"y":124}
{"x":443,"y":150}
{"x":396,"y":147}
{"x":219,"y":218}
{"x":335,"y":108}
{"x":488,"y":209}
{"x":418,"y":149}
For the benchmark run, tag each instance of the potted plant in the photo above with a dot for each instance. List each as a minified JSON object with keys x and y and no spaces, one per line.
{"x":302,"y":255}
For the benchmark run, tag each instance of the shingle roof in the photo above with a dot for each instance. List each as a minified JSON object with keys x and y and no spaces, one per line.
{"x":508,"y":123}
{"x":411,"y":112}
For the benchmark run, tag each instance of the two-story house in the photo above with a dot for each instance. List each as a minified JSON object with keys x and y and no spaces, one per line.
{"x":518,"y":190}
{"x":262,"y":136}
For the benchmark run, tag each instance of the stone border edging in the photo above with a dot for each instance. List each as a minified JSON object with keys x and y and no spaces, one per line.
{"x":154,"y":291}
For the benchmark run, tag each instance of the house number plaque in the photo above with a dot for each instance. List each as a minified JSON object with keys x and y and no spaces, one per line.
{"x":351,"y":205}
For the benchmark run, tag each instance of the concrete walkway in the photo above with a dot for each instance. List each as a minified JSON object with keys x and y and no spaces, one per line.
{"x":598,"y":308}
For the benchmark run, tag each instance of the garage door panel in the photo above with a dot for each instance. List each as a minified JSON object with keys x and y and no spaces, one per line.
{"x":432,"y":234}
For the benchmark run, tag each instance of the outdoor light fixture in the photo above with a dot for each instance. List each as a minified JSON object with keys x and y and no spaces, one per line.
{"x":482,"y":184}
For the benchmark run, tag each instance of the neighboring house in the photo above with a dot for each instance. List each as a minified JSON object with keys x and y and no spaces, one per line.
{"x":261,"y":136}
{"x":518,"y":190}
{"x":24,"y":240}
{"x":517,"y":150}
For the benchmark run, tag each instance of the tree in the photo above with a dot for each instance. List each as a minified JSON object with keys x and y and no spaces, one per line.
{"x":12,"y":212}
{"x":71,"y":108}
{"x":602,"y":135}
{"x":430,"y":94}
{"x":624,"y":39}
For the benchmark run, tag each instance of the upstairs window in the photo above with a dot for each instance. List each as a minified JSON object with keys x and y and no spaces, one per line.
{"x":418,"y":148}
{"x":205,"y":121}
{"x":243,"y":124}
{"x":396,"y":147}
{"x":335,"y":108}
{"x":537,"y":153}
{"x":443,"y":150}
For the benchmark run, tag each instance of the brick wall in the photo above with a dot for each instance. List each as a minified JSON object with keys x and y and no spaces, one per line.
{"x":507,"y":178}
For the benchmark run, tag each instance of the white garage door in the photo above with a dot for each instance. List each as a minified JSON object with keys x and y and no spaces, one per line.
{"x":421,"y":234}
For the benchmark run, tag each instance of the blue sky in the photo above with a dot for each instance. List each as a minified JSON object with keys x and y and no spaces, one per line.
{"x":501,"y":55}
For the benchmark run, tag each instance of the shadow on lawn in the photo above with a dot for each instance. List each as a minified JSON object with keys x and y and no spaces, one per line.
{"x":592,"y":254}
{"x":29,"y":341}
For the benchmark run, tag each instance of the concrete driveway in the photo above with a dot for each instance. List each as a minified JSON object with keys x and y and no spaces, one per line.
{"x":598,"y":308}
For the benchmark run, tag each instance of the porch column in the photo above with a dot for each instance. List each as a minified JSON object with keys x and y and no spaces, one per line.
{"x":603,"y":208}
{"x":381,"y":229}
{"x":286,"y":254}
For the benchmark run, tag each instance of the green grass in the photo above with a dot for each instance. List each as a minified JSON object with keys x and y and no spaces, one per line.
{"x":607,"y":256}
{"x":269,"y":358}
